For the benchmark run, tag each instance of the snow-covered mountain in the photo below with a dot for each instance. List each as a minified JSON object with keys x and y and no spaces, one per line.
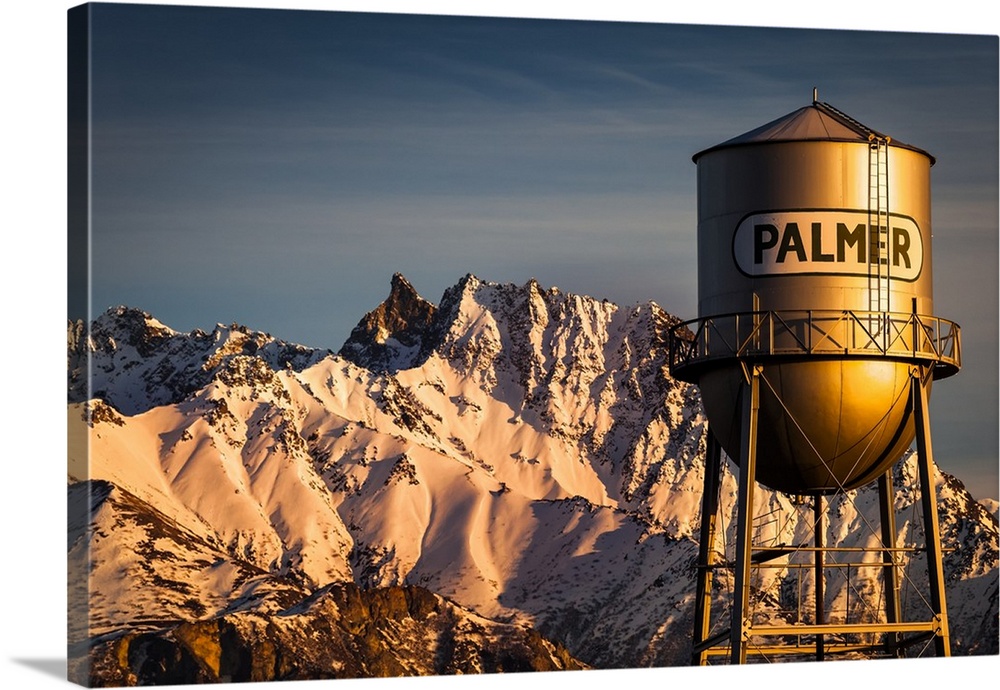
{"x":519,"y":451}
{"x":133,"y":362}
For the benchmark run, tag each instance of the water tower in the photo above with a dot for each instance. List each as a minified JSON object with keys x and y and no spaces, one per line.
{"x":815,"y":349}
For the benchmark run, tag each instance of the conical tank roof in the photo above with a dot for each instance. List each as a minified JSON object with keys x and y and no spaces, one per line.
{"x":816,"y":122}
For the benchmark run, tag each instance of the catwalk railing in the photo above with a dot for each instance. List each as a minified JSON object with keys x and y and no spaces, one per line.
{"x":761,"y":335}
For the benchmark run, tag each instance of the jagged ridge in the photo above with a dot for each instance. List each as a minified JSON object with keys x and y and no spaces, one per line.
{"x":133,"y":362}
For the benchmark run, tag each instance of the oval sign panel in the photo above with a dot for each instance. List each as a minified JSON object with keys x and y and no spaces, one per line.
{"x":840,"y":242}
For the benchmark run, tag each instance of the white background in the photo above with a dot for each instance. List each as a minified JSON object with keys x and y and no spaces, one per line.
{"x":32,"y":614}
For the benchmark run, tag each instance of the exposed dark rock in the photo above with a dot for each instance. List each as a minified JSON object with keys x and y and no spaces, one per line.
{"x":341,"y":631}
{"x":398,"y":334}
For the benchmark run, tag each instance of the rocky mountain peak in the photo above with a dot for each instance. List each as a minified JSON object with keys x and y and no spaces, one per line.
{"x":402,"y":288}
{"x":133,"y":362}
{"x":394,"y":334}
{"x":129,"y":326}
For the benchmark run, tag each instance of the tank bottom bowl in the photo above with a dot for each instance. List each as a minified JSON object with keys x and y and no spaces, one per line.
{"x":824,"y":426}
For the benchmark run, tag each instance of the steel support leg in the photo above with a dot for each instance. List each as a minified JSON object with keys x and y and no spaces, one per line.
{"x":890,"y":574}
{"x":818,"y":570}
{"x":928,"y":497}
{"x":739,"y":633}
{"x":706,"y":550}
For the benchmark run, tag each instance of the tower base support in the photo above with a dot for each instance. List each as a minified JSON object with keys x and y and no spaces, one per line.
{"x":737,"y":635}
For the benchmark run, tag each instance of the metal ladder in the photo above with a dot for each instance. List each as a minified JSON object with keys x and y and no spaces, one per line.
{"x":878,"y":223}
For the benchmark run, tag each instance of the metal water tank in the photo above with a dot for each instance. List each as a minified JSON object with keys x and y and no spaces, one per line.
{"x":814,"y":265}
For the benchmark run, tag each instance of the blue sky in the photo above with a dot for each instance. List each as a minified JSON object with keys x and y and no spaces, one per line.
{"x":276,"y":168}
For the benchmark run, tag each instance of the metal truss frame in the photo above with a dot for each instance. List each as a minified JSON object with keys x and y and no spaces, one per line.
{"x":820,"y":639}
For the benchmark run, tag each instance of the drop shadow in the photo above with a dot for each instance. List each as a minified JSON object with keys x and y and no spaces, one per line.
{"x":50,"y":667}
